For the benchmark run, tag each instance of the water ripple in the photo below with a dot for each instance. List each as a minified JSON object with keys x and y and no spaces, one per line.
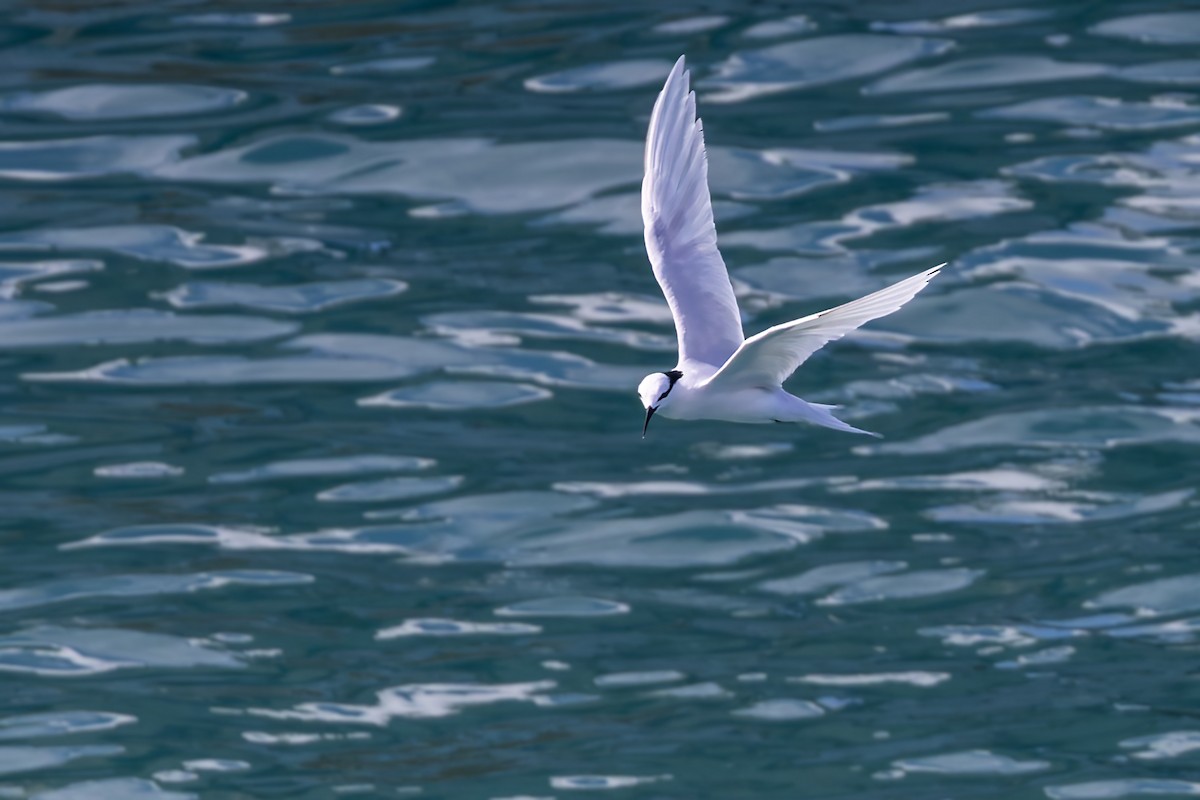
{"x":750,"y":74}
{"x":980,"y":73}
{"x":781,"y":710}
{"x":322,"y":467}
{"x":1103,"y":112}
{"x":141,"y":585}
{"x":54,"y":651}
{"x":304,"y":298}
{"x":990,"y":18}
{"x":143,"y":242}
{"x":414,"y":701}
{"x":1123,"y":787}
{"x":614,"y":75}
{"x":387,"y":489}
{"x":129,"y":326}
{"x":1158,"y":746}
{"x":61,"y":723}
{"x":109,"y":101}
{"x":482,"y":176}
{"x":450,"y":627}
{"x":971,"y":762}
{"x":138,"y":470}
{"x":14,"y":275}
{"x":458,"y":396}
{"x":14,"y":760}
{"x":904,"y":586}
{"x":1181,"y":27}
{"x":89,"y":157}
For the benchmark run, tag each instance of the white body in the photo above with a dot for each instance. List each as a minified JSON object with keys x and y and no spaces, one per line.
{"x":720,"y":375}
{"x":695,"y":399}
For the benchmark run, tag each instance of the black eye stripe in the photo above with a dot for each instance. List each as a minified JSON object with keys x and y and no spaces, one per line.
{"x":673,"y":376}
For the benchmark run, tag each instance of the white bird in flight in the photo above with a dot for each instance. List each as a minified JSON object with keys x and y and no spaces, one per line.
{"x":721,"y":375}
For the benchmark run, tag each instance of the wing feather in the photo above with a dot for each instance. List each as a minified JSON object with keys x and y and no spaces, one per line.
{"x":768,"y":358}
{"x":681,"y":238}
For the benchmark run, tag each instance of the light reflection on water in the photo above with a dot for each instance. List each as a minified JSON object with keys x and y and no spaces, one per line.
{"x":319,"y":334}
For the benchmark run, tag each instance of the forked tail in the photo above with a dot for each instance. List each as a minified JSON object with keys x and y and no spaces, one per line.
{"x":822,"y":414}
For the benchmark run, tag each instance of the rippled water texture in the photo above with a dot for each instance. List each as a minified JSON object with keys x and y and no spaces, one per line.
{"x":319,"y":330}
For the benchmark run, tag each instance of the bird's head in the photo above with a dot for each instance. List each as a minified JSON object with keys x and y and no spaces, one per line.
{"x":655,"y":390}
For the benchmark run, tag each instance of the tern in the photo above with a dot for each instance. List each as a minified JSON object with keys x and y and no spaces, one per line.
{"x":721,"y":375}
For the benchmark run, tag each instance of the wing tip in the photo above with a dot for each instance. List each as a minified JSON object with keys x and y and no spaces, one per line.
{"x":679,"y":72}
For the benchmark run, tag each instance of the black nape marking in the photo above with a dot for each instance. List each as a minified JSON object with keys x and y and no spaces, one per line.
{"x":673,"y":375}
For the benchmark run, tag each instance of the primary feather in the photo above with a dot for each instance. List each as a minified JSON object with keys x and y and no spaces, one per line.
{"x":767,"y":359}
{"x":681,"y":239}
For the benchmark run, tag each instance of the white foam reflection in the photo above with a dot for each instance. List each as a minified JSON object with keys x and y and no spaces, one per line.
{"x":595,"y":782}
{"x":366,"y":114}
{"x":778,"y":28}
{"x":564,"y":607}
{"x":14,"y":275}
{"x":413,"y":701}
{"x":690,"y":25}
{"x":781,"y":710}
{"x":138,"y":470}
{"x":707,"y":690}
{"x":916,"y":678}
{"x":643,"y":678}
{"x":1159,"y":746}
{"x":1040,"y":658}
{"x":451,"y":627}
{"x":971,"y":762}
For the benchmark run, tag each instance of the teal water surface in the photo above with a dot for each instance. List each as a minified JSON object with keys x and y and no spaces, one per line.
{"x":320,"y":327}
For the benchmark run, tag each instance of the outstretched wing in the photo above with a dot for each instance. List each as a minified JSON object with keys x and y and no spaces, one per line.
{"x":768,"y":358}
{"x":681,"y":239}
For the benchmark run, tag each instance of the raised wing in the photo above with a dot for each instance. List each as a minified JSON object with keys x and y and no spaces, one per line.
{"x":768,"y":358}
{"x":681,"y":239}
